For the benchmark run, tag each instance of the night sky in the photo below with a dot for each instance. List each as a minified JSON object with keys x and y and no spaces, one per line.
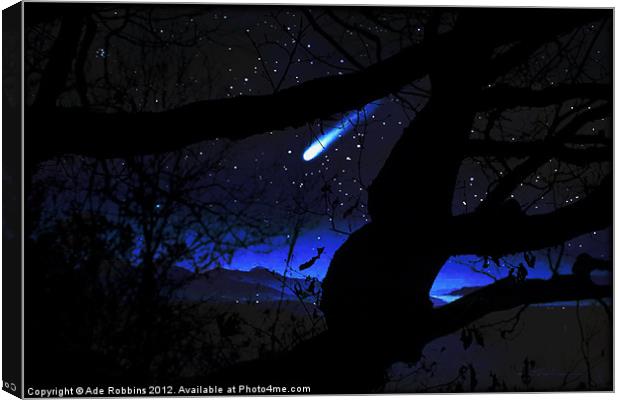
{"x":228,"y":52}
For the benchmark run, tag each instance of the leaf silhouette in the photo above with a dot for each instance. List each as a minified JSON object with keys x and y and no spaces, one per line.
{"x":521,"y":273}
{"x":497,"y":261}
{"x":530,"y":259}
{"x":311,"y":261}
{"x":311,"y":287}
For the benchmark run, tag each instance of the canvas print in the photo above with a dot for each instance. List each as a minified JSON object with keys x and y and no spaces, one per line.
{"x":246,"y":199}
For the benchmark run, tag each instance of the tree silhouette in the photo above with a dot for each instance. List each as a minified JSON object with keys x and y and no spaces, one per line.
{"x":520,"y":94}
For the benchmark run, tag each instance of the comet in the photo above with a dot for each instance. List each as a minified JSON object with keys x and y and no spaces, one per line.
{"x":343,"y":126}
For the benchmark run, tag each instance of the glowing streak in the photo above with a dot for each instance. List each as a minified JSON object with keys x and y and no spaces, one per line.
{"x":341,"y":128}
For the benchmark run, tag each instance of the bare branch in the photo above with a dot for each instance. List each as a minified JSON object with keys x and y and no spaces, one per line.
{"x":599,"y":151}
{"x":501,"y":232}
{"x":508,"y":97}
{"x":507,"y":294}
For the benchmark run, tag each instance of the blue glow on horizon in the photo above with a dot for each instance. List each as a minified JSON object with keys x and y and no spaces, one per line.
{"x":342,"y":127}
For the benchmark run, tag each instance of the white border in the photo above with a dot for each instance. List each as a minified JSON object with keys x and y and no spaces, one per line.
{"x":480,"y":3}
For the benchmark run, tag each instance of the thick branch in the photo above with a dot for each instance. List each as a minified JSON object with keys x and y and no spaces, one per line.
{"x":508,"y":293}
{"x":80,"y":60}
{"x":59,"y":130}
{"x":61,"y":58}
{"x":499,"y":232}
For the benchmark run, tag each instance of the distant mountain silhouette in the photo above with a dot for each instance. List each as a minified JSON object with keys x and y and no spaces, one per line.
{"x":229,"y":285}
